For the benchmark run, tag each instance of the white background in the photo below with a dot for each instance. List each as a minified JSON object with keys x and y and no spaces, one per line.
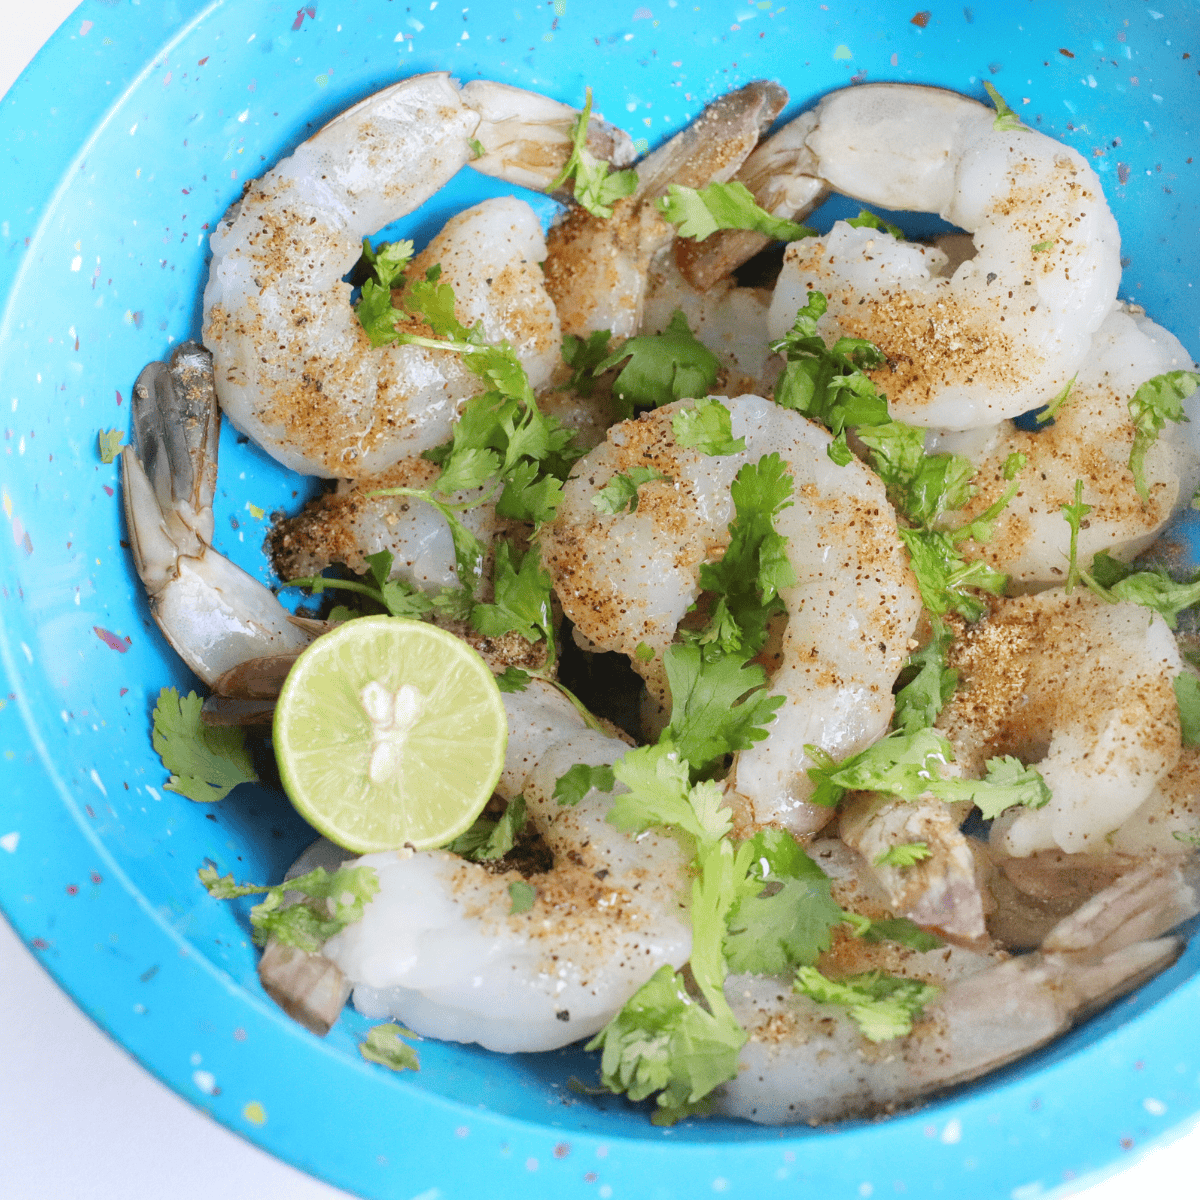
{"x":80,"y":1120}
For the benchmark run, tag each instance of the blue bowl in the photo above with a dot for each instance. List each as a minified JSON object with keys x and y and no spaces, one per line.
{"x":124,"y":142}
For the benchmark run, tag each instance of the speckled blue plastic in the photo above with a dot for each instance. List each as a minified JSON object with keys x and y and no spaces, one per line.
{"x":123,"y":143}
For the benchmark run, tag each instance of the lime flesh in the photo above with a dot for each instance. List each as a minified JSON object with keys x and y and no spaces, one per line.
{"x":389,"y":732}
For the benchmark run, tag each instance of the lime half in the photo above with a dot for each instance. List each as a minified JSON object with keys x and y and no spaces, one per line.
{"x":389,"y":731}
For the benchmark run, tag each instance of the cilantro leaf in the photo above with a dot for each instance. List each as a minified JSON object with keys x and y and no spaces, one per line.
{"x":707,"y":720}
{"x":487,"y":840}
{"x":699,"y":213}
{"x":375,"y":311}
{"x":513,"y":679}
{"x":1115,"y":581}
{"x":870,"y":220}
{"x":329,"y":903}
{"x":397,"y":596}
{"x":522,"y":603}
{"x":945,"y":578}
{"x":583,"y":358}
{"x":595,"y":189}
{"x":388,"y":261}
{"x":1008,"y":782}
{"x":572,"y":786}
{"x":755,"y":564}
{"x":661,"y":793}
{"x":529,"y":495}
{"x":621,"y":491}
{"x":921,"y":486}
{"x":708,"y":427}
{"x":522,"y":896}
{"x":206,"y":762}
{"x":904,"y":763}
{"x":1187,"y":696}
{"x":903,"y":932}
{"x":662,"y":367}
{"x":1156,"y":402}
{"x":786,"y":914}
{"x":1006,"y":120}
{"x":385,"y":1045}
{"x":906,"y":855}
{"x":882,"y":1006}
{"x":926,"y":692}
{"x":109,"y":443}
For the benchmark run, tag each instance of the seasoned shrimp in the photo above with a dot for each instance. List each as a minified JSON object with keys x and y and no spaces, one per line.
{"x":213,"y":613}
{"x":1079,"y":687}
{"x":1090,"y":439}
{"x":596,"y":267}
{"x":628,"y":579}
{"x":808,"y":1062}
{"x":294,"y":368}
{"x":440,"y":948}
{"x":1007,"y":331}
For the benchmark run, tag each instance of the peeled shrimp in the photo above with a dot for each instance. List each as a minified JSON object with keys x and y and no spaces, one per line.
{"x":596,"y":266}
{"x":213,"y":613}
{"x":808,"y":1062}
{"x":294,"y":368}
{"x":1083,"y":690}
{"x":440,"y":948}
{"x":1090,"y":439}
{"x":628,"y":579}
{"x":1007,"y":331}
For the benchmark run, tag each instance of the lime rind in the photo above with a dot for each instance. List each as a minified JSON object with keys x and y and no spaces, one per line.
{"x":450,"y":756}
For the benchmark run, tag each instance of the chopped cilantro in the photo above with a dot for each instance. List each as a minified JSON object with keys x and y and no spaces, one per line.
{"x":1187,"y":696}
{"x":375,"y":310}
{"x":903,"y":932}
{"x":906,"y":855}
{"x":1006,"y":120}
{"x":478,"y":150}
{"x":1042,"y":247}
{"x":662,"y":367}
{"x":922,"y":486}
{"x":487,"y":840}
{"x":595,"y":189}
{"x":870,"y":220}
{"x":620,"y":494}
{"x":882,"y":1006}
{"x":385,"y":1045}
{"x":904,"y":764}
{"x":329,"y":903}
{"x":697,"y":214}
{"x":109,"y":443}
{"x":572,"y":786}
{"x":644,"y":652}
{"x":1075,"y":514}
{"x":708,"y":427}
{"x":1156,"y":402}
{"x":399,"y":598}
{"x":522,"y":896}
{"x":206,"y":762}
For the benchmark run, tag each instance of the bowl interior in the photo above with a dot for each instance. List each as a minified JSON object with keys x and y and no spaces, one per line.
{"x":173,"y":110}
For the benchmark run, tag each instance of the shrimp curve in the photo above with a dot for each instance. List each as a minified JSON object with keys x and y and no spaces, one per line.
{"x":1006,"y":332}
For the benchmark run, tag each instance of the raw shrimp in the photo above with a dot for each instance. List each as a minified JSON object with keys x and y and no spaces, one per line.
{"x":1090,"y":439}
{"x":596,"y":267}
{"x":294,"y":368}
{"x":213,"y":613}
{"x":1082,"y":689}
{"x":628,"y":579}
{"x":1013,"y":324}
{"x":808,"y":1062}
{"x":440,"y":948}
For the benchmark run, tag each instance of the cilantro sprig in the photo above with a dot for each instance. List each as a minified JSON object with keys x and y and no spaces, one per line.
{"x":1006,"y":119}
{"x":329,"y":903}
{"x":698,"y":213}
{"x":882,"y":1006}
{"x":661,"y":367}
{"x":1156,"y":402}
{"x":489,"y":839}
{"x":594,"y":187}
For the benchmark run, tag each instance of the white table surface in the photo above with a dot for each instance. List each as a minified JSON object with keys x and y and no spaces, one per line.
{"x":81,"y":1120}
